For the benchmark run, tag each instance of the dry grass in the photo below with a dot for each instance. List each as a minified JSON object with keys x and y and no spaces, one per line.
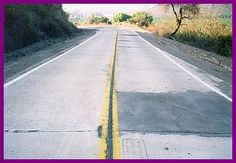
{"x":209,"y":34}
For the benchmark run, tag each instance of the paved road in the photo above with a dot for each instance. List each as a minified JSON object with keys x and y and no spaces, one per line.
{"x":165,"y":111}
{"x":167,"y":108}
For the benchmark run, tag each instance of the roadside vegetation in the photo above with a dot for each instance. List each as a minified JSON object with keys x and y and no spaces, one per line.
{"x":27,"y":24}
{"x":205,"y":33}
{"x":212,"y":33}
{"x":99,"y":20}
{"x":185,"y":23}
{"x":120,"y":17}
{"x":139,"y":18}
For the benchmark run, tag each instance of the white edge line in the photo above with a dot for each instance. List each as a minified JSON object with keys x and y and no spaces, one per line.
{"x":187,"y":71}
{"x":40,"y":66}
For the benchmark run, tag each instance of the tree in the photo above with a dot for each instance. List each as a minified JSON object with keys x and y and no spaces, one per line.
{"x":185,"y":11}
{"x":141,"y":19}
{"x":120,"y":17}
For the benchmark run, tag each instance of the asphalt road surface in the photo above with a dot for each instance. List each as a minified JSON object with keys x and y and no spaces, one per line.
{"x":164,"y":107}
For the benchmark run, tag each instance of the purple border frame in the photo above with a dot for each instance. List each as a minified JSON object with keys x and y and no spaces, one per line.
{"x":112,"y":1}
{"x":119,"y":1}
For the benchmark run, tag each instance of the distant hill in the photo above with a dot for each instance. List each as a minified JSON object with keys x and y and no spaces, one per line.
{"x":205,"y":9}
{"x":159,"y":10}
{"x":27,"y":24}
{"x":216,"y":9}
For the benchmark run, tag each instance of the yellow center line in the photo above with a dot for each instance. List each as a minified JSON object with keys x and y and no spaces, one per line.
{"x":106,"y":100}
{"x":116,"y":137}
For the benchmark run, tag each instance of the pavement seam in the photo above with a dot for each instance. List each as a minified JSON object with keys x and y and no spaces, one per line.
{"x":206,"y":134}
{"x":45,"y":131}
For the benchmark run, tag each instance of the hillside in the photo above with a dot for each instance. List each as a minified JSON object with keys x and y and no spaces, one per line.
{"x":27,"y":24}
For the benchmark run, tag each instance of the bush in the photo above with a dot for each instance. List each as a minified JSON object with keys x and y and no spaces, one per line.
{"x":223,"y":45}
{"x":141,"y":19}
{"x":120,"y":17}
{"x":100,"y":19}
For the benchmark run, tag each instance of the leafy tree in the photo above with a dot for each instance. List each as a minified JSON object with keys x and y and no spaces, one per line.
{"x":120,"y":17}
{"x":141,"y":19}
{"x":185,"y":11}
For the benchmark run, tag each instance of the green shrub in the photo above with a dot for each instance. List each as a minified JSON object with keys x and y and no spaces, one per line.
{"x":120,"y":17}
{"x":99,"y":19}
{"x":223,"y":45}
{"x":141,"y":19}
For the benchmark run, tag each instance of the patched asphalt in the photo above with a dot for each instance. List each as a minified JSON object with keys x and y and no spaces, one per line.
{"x":184,"y":112}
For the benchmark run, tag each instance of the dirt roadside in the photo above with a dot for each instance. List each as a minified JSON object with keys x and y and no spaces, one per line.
{"x":22,"y":60}
{"x":200,"y":58}
{"x":225,"y":62}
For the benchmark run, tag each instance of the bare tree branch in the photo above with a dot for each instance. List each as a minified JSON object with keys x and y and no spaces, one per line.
{"x":185,"y":17}
{"x":173,"y":8}
{"x":185,"y":12}
{"x":181,"y":12}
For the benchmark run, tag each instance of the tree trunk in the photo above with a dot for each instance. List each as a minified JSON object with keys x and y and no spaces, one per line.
{"x":178,"y":19}
{"x":177,"y":28}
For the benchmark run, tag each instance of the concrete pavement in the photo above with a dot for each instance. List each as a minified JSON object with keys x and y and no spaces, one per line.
{"x":163,"y":111}
{"x":61,"y":102}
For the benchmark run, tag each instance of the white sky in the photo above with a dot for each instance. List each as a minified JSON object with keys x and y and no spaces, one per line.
{"x":106,"y":8}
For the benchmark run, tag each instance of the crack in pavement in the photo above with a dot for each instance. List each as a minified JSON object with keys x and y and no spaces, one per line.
{"x":178,"y":116}
{"x":45,"y":131}
{"x":204,"y":134}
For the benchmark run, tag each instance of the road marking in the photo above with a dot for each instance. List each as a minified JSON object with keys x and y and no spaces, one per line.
{"x":116,"y":137}
{"x":187,"y":71}
{"x":44,"y":64}
{"x":110,"y":147}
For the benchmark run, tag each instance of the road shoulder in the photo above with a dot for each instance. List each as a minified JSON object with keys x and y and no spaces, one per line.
{"x":30,"y":57}
{"x":204,"y":61}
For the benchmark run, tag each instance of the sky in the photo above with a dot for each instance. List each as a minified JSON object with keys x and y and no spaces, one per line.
{"x":106,"y":8}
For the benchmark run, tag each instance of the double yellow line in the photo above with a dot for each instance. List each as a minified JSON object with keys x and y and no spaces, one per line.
{"x":110,"y":123}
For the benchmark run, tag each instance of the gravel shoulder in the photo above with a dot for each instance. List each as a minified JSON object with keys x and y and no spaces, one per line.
{"x":22,"y":60}
{"x":210,"y":57}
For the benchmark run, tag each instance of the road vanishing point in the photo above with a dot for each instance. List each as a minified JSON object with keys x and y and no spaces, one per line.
{"x":116,"y":96}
